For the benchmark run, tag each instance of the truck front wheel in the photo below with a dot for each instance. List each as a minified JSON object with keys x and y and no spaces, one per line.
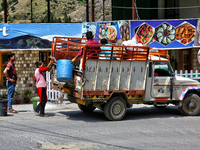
{"x":86,"y":109}
{"x":190,"y":105}
{"x":115,"y":109}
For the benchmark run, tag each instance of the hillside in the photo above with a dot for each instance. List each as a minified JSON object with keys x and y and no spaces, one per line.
{"x":19,"y":11}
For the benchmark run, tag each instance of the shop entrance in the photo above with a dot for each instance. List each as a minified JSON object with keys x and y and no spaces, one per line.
{"x":180,"y":59}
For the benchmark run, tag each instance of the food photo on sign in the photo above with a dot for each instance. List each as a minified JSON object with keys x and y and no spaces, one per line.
{"x":144,"y":33}
{"x":124,"y":27}
{"x":185,"y":33}
{"x":108,"y":30}
{"x":165,"y":34}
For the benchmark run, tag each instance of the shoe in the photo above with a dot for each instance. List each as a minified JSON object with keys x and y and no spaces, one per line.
{"x":37,"y":113}
{"x":12,"y":111}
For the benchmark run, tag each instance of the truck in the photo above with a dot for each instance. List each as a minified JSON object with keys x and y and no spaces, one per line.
{"x":121,"y":77}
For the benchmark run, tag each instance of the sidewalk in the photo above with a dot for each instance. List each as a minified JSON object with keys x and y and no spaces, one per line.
{"x":49,"y":106}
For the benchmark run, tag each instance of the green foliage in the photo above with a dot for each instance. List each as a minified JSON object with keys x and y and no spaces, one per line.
{"x":45,"y":19}
{"x":55,"y":20}
{"x":27,"y":94}
{"x":17,"y":93}
{"x":13,"y":8}
{"x":59,"y":20}
{"x":36,"y":4}
{"x":67,"y":19}
{"x":4,"y":96}
{"x":82,"y":2}
{"x":1,"y":18}
{"x":9,"y":18}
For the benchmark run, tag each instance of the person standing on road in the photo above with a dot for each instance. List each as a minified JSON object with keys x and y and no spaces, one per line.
{"x":41,"y":86}
{"x":11,"y":76}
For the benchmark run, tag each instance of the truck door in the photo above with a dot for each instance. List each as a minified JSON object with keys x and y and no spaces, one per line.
{"x":161,"y":80}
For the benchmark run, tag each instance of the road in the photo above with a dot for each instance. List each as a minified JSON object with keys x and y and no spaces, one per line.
{"x":143,"y":128}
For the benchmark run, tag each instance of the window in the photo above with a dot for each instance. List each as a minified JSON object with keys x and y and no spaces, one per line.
{"x":181,"y":59}
{"x":171,"y":13}
{"x":162,"y":69}
{"x":3,"y":63}
{"x":44,"y":57}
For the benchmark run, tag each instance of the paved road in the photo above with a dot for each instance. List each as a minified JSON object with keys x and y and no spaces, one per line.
{"x":143,"y":128}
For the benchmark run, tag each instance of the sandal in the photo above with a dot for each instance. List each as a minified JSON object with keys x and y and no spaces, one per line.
{"x":12,"y":111}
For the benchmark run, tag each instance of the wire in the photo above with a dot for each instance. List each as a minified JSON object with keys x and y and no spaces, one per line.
{"x":189,"y":7}
{"x":162,"y":8}
{"x":138,"y":17}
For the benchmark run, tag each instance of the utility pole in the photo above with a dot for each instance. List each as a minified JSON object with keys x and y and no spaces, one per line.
{"x":93,"y":19}
{"x":48,"y":11}
{"x":87,"y":11}
{"x":103,"y":11}
{"x":31,"y":12}
{"x":5,"y":11}
{"x":133,"y":10}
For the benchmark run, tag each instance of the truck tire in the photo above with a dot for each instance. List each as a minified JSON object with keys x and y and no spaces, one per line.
{"x":115,"y":109}
{"x":190,"y":105}
{"x":86,"y":109}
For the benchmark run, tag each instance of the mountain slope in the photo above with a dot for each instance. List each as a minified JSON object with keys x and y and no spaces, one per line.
{"x":19,"y":11}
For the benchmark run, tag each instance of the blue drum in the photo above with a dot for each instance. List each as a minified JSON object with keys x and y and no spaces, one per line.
{"x":64,"y":70}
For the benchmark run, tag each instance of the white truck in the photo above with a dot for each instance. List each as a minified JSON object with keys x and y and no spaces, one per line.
{"x":123,"y":76}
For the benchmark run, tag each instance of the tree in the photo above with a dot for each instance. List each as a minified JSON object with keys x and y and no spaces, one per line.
{"x":67,"y":19}
{"x":13,"y":8}
{"x":59,"y":20}
{"x":9,"y":18}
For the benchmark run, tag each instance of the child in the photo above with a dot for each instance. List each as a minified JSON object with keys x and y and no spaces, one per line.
{"x":105,"y":51}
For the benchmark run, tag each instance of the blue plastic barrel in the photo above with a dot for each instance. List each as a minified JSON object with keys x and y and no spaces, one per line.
{"x":64,"y":70}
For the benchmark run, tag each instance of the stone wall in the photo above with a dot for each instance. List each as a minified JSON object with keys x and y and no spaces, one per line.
{"x":25,"y":67}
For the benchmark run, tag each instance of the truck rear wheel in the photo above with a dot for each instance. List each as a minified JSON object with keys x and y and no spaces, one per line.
{"x":190,"y":105}
{"x":86,"y":109}
{"x":115,"y":109}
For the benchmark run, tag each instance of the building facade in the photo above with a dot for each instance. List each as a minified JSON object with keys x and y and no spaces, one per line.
{"x":181,"y":59}
{"x":25,"y":67}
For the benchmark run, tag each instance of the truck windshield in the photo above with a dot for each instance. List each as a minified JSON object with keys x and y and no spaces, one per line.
{"x":162,"y":69}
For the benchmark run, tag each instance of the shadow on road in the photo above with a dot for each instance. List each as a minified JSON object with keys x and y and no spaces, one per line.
{"x":131,"y":114}
{"x":78,"y":115}
{"x":152,"y":112}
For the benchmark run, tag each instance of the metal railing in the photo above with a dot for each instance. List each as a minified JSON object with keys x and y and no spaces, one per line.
{"x":52,"y":94}
{"x":192,"y":75}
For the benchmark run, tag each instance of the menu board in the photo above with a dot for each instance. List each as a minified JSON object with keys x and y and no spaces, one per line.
{"x":164,"y":34}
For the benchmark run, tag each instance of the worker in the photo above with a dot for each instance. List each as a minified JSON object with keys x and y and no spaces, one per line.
{"x":91,"y":49}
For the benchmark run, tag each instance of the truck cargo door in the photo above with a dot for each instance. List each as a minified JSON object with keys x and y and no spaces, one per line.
{"x":161,"y":80}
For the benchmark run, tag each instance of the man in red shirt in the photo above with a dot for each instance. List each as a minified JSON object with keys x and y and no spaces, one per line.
{"x":11,"y":76}
{"x":92,"y":49}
